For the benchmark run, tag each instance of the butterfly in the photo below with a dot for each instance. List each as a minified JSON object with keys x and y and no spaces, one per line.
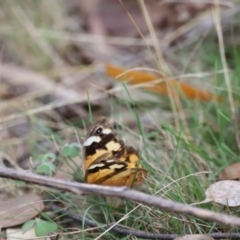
{"x":107,"y":160}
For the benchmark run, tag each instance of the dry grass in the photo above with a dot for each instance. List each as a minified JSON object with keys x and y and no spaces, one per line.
{"x":54,"y":101}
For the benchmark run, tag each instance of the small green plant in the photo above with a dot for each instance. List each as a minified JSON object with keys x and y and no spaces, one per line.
{"x":71,"y":150}
{"x":47,"y":165}
{"x":42,"y":227}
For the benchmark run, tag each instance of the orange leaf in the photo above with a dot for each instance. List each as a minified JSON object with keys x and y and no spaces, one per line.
{"x":176,"y":87}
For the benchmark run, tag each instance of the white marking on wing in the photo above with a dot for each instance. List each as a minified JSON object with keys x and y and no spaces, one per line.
{"x":118,"y":166}
{"x":91,"y":139}
{"x":96,"y":166}
{"x":106,"y":131}
{"x":111,"y":160}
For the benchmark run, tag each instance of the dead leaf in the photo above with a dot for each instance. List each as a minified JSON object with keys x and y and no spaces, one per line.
{"x":163,"y":87}
{"x":226,"y":192}
{"x":17,"y":233}
{"x":18,"y":210}
{"x":231,"y":172}
{"x":194,"y":237}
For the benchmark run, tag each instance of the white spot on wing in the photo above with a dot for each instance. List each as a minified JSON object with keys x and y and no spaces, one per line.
{"x":91,"y":139}
{"x":106,"y":131}
{"x":96,"y":166}
{"x":109,"y":161}
{"x":117,"y":166}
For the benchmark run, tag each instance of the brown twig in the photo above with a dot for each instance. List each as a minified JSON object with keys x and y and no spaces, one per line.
{"x":117,"y":229}
{"x":121,"y":192}
{"x":141,"y":234}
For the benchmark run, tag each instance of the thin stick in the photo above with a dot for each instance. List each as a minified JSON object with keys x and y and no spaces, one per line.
{"x":141,"y":234}
{"x":121,"y":192}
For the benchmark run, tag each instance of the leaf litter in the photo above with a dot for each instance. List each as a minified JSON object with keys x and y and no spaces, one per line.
{"x":231,"y":172}
{"x":17,"y":233}
{"x":19,"y":209}
{"x":225,"y":192}
{"x":64,"y":99}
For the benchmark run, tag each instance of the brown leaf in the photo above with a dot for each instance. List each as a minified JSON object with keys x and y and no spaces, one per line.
{"x":194,"y":237}
{"x":226,"y":192}
{"x":231,"y":172}
{"x":18,"y":210}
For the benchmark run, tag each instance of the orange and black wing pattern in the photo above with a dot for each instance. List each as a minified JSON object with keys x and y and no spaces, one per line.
{"x":107,"y":160}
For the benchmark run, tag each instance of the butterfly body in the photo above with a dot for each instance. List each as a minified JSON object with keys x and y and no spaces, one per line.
{"x":107,"y":160}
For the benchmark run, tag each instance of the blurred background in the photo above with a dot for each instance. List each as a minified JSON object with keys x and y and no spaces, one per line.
{"x":63,"y":64}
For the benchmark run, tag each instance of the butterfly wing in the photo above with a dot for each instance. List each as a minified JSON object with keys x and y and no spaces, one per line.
{"x":107,"y":160}
{"x":113,"y":172}
{"x":101,"y":139}
{"x":129,"y":177}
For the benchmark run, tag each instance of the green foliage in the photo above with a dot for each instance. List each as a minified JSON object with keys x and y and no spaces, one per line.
{"x":42,"y":228}
{"x":27,"y":225}
{"x":47,"y":165}
{"x":71,"y":150}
